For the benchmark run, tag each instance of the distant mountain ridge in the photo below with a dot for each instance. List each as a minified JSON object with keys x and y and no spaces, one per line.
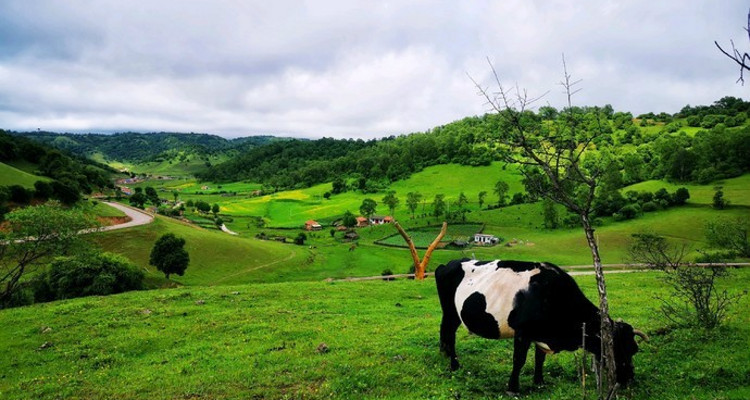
{"x":141,"y":147}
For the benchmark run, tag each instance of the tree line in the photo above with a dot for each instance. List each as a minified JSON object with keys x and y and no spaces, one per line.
{"x":652,"y":146}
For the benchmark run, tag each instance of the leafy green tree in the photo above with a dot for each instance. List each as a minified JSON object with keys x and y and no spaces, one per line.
{"x":33,"y":236}
{"x":391,"y":201}
{"x":368,"y":207}
{"x":43,"y":190}
{"x":551,"y":219}
{"x":300,"y":239}
{"x":481,"y":197}
{"x":501,"y":190}
{"x":680,"y":196}
{"x":92,"y":273}
{"x":719,"y":202}
{"x":169,"y":255}
{"x":730,"y":234}
{"x":66,"y":191}
{"x":338,"y":186}
{"x":202,"y":206}
{"x":215,"y":209}
{"x":412,"y":201}
{"x":175,"y":194}
{"x":138,"y":199}
{"x":152,"y":196}
{"x":349,"y":220}
{"x":438,"y":205}
{"x":327,"y":195}
{"x":19,"y":194}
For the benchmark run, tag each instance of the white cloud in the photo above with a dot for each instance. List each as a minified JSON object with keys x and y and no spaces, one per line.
{"x":351,"y":69}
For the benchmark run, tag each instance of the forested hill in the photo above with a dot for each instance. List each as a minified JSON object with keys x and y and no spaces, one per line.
{"x":698,"y":144}
{"x":69,"y":174}
{"x":298,"y":163}
{"x":140,"y":147}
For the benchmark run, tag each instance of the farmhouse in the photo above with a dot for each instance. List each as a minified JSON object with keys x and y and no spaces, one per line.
{"x":313,"y":226}
{"x":361,"y":222}
{"x":380,"y":220}
{"x":485,"y":240}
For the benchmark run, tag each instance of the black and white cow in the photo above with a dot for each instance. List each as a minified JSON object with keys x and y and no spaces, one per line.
{"x":530,"y":302}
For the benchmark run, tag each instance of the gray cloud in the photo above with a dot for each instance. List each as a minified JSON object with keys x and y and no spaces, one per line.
{"x":345,"y":69}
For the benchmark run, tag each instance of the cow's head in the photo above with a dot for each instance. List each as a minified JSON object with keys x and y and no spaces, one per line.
{"x":625,"y":348}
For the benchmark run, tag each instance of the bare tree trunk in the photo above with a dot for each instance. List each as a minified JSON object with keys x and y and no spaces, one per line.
{"x":420,"y":267}
{"x":608,"y":351}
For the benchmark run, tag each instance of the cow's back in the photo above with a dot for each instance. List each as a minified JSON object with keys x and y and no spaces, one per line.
{"x":483,"y":293}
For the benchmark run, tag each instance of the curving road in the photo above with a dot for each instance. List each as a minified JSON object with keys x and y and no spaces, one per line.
{"x":137,"y":217}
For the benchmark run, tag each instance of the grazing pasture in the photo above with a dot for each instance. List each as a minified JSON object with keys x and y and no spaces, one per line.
{"x":347,"y":340}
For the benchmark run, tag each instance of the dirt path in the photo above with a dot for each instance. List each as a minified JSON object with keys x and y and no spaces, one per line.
{"x":255,"y":268}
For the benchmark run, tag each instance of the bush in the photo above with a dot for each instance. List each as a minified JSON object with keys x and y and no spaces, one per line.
{"x":87,"y":275}
{"x":649,"y":206}
{"x":680,"y":196}
{"x":694,"y":298}
{"x":630,"y":211}
{"x":387,"y":275}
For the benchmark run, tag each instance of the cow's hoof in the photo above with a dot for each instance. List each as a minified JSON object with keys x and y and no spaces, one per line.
{"x":455,"y":365}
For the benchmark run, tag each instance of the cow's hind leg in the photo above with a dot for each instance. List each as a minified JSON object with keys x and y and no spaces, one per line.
{"x":539,"y":357}
{"x":448,"y":328}
{"x":520,"y":349}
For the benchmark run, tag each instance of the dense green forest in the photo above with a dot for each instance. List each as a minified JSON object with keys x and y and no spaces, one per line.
{"x":143,"y":147}
{"x":698,"y":144}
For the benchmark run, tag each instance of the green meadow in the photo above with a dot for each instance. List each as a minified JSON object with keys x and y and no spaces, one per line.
{"x":341,"y":340}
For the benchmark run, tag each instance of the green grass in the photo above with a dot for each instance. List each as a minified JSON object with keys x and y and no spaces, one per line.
{"x":261,"y":340}
{"x":10,"y":175}
{"x":215,"y":257}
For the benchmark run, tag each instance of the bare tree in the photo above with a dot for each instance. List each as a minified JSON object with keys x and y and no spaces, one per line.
{"x":742,"y":59}
{"x":421,"y":266}
{"x":559,"y":163}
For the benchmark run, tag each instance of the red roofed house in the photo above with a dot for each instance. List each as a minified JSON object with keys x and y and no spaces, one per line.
{"x":312,"y":226}
{"x":362,"y":221}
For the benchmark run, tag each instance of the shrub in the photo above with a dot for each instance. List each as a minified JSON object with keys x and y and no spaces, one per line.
{"x":694,"y":299}
{"x":680,"y":196}
{"x":387,"y":275}
{"x":630,"y":211}
{"x":649,"y":206}
{"x":89,"y":274}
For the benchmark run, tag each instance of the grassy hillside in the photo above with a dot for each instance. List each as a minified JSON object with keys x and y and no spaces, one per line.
{"x":10,"y":175}
{"x":261,"y":341}
{"x":215,"y":257}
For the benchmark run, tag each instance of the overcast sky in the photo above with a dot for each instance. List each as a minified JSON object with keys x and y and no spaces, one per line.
{"x":357,"y":69}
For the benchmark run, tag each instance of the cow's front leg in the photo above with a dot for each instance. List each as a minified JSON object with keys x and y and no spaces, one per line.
{"x":448,"y":328}
{"x":539,"y":357}
{"x":520,"y":349}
